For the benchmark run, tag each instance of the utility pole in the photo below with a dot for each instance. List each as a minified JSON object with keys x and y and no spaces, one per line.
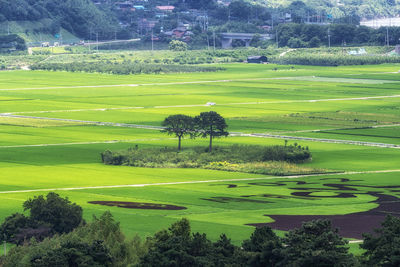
{"x":152,"y":41}
{"x":329,"y":37}
{"x":8,"y":27}
{"x":387,"y":36}
{"x":214,"y":39}
{"x":97,"y":41}
{"x":276,"y":38}
{"x":5,"y":245}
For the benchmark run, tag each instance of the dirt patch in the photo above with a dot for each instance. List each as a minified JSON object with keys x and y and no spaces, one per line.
{"x":308,"y":194}
{"x":138,"y":205}
{"x":234,"y":199}
{"x":349,"y":225}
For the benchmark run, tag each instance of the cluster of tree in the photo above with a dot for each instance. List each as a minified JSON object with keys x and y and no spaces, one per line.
{"x":233,"y":158}
{"x":123,"y":68}
{"x":47,"y":216}
{"x":334,"y":60}
{"x":206,"y":124}
{"x":308,"y":35}
{"x":97,"y":243}
{"x":12,"y":42}
{"x":102,"y":243}
{"x":80,"y":17}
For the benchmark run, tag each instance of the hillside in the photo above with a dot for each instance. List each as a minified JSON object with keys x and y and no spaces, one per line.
{"x":339,"y":8}
{"x":79,"y":17}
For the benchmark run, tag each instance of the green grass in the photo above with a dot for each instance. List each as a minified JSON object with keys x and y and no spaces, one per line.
{"x":42,"y":154}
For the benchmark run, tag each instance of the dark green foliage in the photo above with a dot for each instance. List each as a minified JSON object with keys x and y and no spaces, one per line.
{"x":77,"y":16}
{"x":264,"y":248}
{"x":74,"y":253}
{"x":11,"y":42}
{"x":211,"y":124}
{"x":176,"y":45}
{"x":316,"y":244}
{"x":12,"y":225}
{"x":179,"y":125}
{"x":179,"y":247}
{"x":383,"y":247}
{"x":48,"y":216}
{"x":121,"y":68}
{"x":99,"y":243}
{"x":62,"y":215}
{"x":335,"y":60}
{"x":291,"y":153}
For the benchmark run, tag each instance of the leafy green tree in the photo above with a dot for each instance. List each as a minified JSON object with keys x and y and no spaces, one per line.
{"x":315,"y":243}
{"x":12,"y":225}
{"x":383,"y":247}
{"x":179,"y":125}
{"x":178,"y":247}
{"x":176,"y":45}
{"x":60,"y":213}
{"x":264,"y":248}
{"x":211,"y":124}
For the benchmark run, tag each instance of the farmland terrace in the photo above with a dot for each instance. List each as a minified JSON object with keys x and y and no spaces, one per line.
{"x":54,"y":125}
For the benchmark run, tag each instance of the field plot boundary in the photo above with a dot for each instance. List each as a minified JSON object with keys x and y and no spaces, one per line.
{"x":206,"y":105}
{"x":195,"y":182}
{"x":263,"y":135}
{"x":299,"y":78}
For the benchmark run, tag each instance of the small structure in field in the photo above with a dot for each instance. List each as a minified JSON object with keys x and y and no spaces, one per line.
{"x":257,"y":59}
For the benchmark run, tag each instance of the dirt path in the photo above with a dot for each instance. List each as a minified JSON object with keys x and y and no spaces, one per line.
{"x":191,"y":182}
{"x":287,"y":51}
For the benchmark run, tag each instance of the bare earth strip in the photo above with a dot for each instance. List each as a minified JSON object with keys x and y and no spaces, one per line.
{"x":191,"y":182}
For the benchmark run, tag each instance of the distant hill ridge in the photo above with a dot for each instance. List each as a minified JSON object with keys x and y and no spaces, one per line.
{"x":79,"y":17}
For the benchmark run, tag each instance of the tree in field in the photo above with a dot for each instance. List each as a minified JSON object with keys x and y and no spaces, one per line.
{"x":179,"y":125}
{"x":176,"y":45}
{"x":316,"y":243}
{"x":211,"y":124}
{"x":383,"y":248}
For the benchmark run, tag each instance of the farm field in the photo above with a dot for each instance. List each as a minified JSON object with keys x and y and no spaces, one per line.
{"x":54,"y":125}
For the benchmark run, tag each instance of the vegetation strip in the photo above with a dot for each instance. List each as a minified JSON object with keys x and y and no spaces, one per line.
{"x":193,"y":182}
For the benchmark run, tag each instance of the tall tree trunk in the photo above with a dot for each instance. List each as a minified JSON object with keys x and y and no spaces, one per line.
{"x":179,"y":143}
{"x":210,"y":147}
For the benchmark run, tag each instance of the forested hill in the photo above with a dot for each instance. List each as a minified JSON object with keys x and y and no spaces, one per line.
{"x":80,"y":17}
{"x":341,"y":8}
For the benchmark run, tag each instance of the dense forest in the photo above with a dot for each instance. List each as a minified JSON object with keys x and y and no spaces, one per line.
{"x":80,"y":17}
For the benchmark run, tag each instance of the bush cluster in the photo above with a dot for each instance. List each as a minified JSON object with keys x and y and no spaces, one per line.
{"x":124,"y":68}
{"x":335,"y":60}
{"x":241,"y":158}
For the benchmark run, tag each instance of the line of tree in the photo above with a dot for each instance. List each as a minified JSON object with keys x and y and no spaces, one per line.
{"x":122,"y":68}
{"x":207,"y":124}
{"x":102,"y":243}
{"x":296,"y":35}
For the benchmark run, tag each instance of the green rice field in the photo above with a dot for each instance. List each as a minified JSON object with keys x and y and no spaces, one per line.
{"x":54,"y":125}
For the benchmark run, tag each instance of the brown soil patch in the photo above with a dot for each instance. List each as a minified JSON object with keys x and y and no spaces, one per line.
{"x":349,"y":225}
{"x":138,"y":205}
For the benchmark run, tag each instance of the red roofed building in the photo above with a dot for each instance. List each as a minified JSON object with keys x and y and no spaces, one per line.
{"x":165,"y":8}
